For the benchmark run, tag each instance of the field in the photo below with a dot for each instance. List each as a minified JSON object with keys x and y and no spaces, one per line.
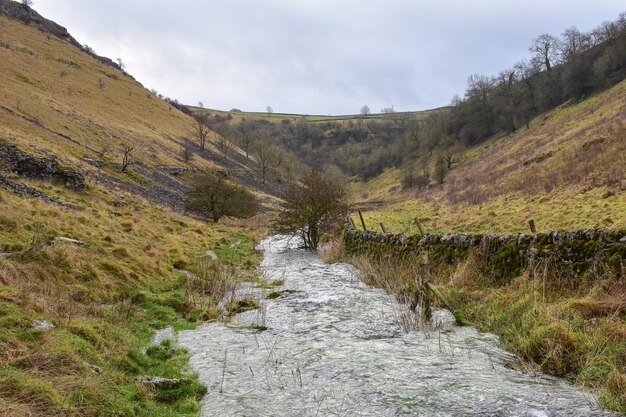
{"x":279,"y":117}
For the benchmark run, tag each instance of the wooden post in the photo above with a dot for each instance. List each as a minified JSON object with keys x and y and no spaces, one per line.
{"x":382,"y":227}
{"x":531,"y":261}
{"x":362,"y":220}
{"x":419,"y":226}
{"x":351,"y":221}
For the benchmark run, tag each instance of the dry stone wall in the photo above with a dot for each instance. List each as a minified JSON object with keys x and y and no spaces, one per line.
{"x":503,"y":257}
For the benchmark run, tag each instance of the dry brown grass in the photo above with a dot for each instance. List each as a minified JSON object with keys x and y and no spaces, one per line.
{"x":258,"y":221}
{"x":332,"y":250}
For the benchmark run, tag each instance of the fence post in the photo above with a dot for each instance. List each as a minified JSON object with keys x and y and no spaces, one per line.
{"x":351,"y":221}
{"x":419,"y":226}
{"x":382,"y":227}
{"x":362,"y":220}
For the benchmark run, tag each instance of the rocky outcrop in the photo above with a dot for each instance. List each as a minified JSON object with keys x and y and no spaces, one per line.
{"x":17,"y":11}
{"x":26,"y":15}
{"x":28,"y":191}
{"x":28,"y":166}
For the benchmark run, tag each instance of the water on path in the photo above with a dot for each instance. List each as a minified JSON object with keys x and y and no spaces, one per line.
{"x":334,"y":347}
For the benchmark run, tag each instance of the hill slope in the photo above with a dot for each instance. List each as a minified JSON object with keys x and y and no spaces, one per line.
{"x":90,"y":256}
{"x":59,"y":100}
{"x":565,"y":171}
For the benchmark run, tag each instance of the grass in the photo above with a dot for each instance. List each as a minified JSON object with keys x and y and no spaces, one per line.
{"x":564,"y":208}
{"x":105,"y":300}
{"x":576,"y":332}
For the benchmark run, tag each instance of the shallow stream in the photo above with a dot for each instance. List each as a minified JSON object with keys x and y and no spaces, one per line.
{"x":337,"y":347}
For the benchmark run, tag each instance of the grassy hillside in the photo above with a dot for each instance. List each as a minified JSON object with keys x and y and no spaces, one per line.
{"x":565,"y":171}
{"x":76,"y":315}
{"x":57,"y":100}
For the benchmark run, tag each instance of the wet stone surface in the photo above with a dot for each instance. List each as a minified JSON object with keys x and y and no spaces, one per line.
{"x":336,"y":347}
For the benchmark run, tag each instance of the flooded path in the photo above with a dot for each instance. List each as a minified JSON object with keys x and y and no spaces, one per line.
{"x":335,"y":347}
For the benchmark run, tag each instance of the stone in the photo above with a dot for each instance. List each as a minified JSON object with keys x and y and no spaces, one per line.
{"x":94,"y":368}
{"x":158,"y":382}
{"x":42,"y":325}
{"x":161,"y":335}
{"x":70,"y":240}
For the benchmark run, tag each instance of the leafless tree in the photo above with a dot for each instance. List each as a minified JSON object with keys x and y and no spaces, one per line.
{"x":121,"y":63}
{"x":479,"y":86}
{"x":365,"y":110}
{"x":245,"y":137}
{"x":201,"y":131}
{"x":573,"y":42}
{"x":312,"y":207}
{"x":269,"y":111}
{"x":27,"y":3}
{"x":265,"y":152}
{"x":545,"y":48}
{"x":126,"y":150}
{"x":224,"y":135}
{"x":186,"y":150}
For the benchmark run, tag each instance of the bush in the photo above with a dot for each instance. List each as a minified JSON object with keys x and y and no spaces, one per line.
{"x":214,"y":197}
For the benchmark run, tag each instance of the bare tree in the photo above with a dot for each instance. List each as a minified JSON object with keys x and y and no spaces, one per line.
{"x":201,"y":131}
{"x":245,"y":136}
{"x":200,"y":104}
{"x":312,"y":207}
{"x":545,"y":48}
{"x":414,"y":131}
{"x":265,"y":153}
{"x":365,"y":110}
{"x":126,"y":150}
{"x":186,"y":150}
{"x":480,"y":86}
{"x":573,"y":42}
{"x":440,"y":170}
{"x":224,"y":134}
{"x":121,"y":64}
{"x":27,"y":3}
{"x":269,"y":111}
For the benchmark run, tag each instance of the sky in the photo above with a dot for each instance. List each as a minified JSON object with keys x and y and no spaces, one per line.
{"x":317,"y":56}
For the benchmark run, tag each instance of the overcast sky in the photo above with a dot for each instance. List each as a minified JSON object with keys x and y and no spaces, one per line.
{"x":317,"y":56}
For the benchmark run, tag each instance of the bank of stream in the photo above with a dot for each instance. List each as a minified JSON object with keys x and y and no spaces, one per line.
{"x":326,"y":344}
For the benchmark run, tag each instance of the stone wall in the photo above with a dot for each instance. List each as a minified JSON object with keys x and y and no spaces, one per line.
{"x":504,"y":257}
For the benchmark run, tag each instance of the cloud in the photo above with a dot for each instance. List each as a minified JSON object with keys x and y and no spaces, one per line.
{"x":317,"y":56}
